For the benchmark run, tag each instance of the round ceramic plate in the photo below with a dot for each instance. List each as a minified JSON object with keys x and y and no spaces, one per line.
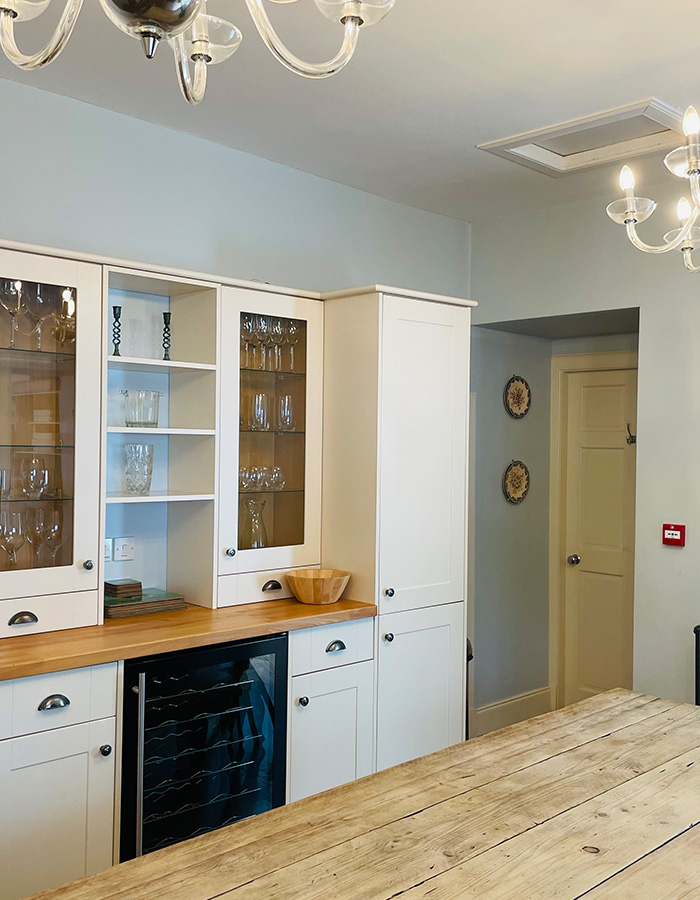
{"x":517,"y":397}
{"x":516,"y":481}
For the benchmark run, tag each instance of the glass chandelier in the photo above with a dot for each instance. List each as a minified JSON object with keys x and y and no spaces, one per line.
{"x":684,"y":162}
{"x":194,"y":36}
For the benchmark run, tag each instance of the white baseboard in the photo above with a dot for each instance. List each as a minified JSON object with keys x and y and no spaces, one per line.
{"x":507,"y":712}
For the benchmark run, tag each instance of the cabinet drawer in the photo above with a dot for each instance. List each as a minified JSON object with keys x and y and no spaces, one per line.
{"x":53,"y":612}
{"x":235,"y":590}
{"x":329,"y":646}
{"x":91,"y":693}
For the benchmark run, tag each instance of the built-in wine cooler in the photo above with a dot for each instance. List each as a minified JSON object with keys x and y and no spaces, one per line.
{"x":204,"y":741}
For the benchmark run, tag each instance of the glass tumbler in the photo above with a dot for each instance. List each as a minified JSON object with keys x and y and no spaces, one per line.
{"x":35,"y":478}
{"x":260,"y":417}
{"x":285,"y":413}
{"x":141,"y":408}
{"x":138,"y":468}
{"x":4,"y":484}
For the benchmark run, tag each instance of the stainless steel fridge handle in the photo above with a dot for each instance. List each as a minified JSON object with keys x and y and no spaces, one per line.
{"x":140,"y":760}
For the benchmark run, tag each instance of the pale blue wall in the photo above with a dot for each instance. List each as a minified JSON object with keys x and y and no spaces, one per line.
{"x":79,"y":177}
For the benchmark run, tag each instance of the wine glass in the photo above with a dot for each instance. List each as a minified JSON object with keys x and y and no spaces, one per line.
{"x":12,"y":536}
{"x":36,"y":532}
{"x":247,"y":335}
{"x":54,"y":536}
{"x":277,"y":339}
{"x":38,"y":309}
{"x":292,"y":336}
{"x":261,"y":328}
{"x":11,"y":301}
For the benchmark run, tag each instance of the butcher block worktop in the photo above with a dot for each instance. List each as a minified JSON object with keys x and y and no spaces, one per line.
{"x":601,"y":799}
{"x":163,"y":632}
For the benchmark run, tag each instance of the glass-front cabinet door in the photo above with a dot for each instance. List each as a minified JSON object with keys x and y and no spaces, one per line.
{"x":271,"y":406}
{"x":49,"y":425}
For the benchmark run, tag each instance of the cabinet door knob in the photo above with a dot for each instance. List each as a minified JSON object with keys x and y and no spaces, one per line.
{"x":389,"y":592}
{"x":106,"y":750}
{"x":574,"y":559}
{"x":23,"y":618}
{"x":55,"y":701}
{"x":89,"y":564}
{"x":231,"y":552}
{"x":336,"y":647}
{"x":388,"y":637}
{"x":303,"y":701}
{"x":271,"y":586}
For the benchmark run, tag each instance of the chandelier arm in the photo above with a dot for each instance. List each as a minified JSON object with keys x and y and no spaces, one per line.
{"x":193,"y":89}
{"x":57,"y":42}
{"x":695,"y":189}
{"x":671,"y":245}
{"x":274,"y":44}
{"x":688,"y":260}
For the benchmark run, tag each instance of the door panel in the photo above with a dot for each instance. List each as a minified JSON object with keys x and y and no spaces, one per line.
{"x":423,"y":453}
{"x":599,"y":495}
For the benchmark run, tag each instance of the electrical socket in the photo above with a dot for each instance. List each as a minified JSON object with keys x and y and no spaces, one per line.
{"x":107,"y":550}
{"x":123,"y":549}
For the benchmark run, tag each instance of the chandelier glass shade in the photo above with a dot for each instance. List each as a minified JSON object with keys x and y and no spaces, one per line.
{"x":198,"y":40}
{"x":683,"y":162}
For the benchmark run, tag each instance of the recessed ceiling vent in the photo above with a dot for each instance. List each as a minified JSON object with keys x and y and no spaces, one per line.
{"x":616,"y":134}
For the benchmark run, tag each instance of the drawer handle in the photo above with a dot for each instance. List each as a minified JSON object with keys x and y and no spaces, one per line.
{"x":388,"y":637}
{"x":55,"y":701}
{"x":271,"y":586}
{"x":24,"y":618}
{"x":389,"y":592}
{"x":231,"y":552}
{"x":303,"y":701}
{"x":106,"y":750}
{"x":335,"y":647}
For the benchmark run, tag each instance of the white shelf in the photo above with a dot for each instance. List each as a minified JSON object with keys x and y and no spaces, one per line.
{"x":157,"y":497}
{"x":193,"y":431}
{"x":163,"y":366}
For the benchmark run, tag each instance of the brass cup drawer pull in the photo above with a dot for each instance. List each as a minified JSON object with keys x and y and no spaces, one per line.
{"x":336,"y":647}
{"x":271,"y":585}
{"x":25,"y":617}
{"x":55,"y":701}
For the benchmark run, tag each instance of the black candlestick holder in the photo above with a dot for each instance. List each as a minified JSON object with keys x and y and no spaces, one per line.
{"x":166,"y":335}
{"x":116,"y":330}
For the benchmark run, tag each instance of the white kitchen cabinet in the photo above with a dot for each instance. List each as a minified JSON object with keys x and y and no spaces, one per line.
{"x":421,"y":672}
{"x":331,"y":723}
{"x":50,"y":426}
{"x":57,"y":792}
{"x":271,"y":410}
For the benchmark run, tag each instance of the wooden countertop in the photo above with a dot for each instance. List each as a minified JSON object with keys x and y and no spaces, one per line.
{"x":163,"y":632}
{"x":600,"y":799}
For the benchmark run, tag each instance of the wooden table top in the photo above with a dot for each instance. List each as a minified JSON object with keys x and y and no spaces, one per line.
{"x":35,"y":654}
{"x":601,"y":799}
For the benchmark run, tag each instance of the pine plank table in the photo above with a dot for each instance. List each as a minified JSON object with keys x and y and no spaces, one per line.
{"x":600,"y":800}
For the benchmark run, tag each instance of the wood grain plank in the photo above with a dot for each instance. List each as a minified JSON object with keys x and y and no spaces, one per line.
{"x":210,"y":865}
{"x":195,"y":626}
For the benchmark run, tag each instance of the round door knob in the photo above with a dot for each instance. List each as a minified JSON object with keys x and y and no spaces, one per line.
{"x":303,"y":701}
{"x":88,"y":564}
{"x":231,"y":552}
{"x":389,"y":592}
{"x":574,"y":559}
{"x":389,"y":637}
{"x":106,"y":750}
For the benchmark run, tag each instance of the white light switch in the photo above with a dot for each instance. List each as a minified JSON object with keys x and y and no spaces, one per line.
{"x":107,"y":549}
{"x":123,"y":549}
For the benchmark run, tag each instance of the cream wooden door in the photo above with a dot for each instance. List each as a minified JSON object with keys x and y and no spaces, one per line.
{"x":598,"y":559}
{"x":423,"y":454}
{"x":57,"y":805}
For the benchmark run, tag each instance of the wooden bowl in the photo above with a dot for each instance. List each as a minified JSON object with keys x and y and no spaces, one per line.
{"x":318,"y":586}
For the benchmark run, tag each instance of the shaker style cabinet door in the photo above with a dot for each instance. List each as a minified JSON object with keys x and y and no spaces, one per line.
{"x":271,"y":408}
{"x":423,"y":447}
{"x":56,"y":815}
{"x":50,"y":327}
{"x":331,"y":723}
{"x":421,"y":689}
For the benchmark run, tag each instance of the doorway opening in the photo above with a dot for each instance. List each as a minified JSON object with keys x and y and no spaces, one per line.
{"x":528,"y":637}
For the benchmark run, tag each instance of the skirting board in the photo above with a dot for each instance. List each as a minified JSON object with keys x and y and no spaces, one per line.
{"x":507,"y":712}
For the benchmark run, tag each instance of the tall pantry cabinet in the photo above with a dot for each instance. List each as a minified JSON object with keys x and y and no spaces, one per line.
{"x":394,"y":500}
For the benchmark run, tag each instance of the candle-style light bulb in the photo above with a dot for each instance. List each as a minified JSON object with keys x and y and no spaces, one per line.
{"x":691,"y":122}
{"x":683,"y":210}
{"x":627,"y":179}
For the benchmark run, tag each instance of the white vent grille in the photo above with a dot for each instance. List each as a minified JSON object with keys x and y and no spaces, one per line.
{"x":616,"y":134}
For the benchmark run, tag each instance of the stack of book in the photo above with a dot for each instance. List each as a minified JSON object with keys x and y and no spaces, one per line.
{"x":126,"y":597}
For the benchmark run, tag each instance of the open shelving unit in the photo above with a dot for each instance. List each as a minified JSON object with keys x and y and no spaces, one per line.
{"x":174,"y":525}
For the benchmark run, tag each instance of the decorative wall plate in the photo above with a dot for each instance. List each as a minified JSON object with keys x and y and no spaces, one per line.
{"x":516,"y":481}
{"x":517,"y":397}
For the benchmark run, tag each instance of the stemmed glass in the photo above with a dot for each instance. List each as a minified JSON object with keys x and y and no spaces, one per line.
{"x":12,"y":536}
{"x":54,"y":537}
{"x":11,"y":301}
{"x":247,"y":335}
{"x":38,"y":308}
{"x":292,"y":336}
{"x":277,"y":339}
{"x":261,"y":328}
{"x":36,"y":532}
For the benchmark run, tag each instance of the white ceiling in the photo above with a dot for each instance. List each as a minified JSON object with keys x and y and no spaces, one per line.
{"x":427,"y":84}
